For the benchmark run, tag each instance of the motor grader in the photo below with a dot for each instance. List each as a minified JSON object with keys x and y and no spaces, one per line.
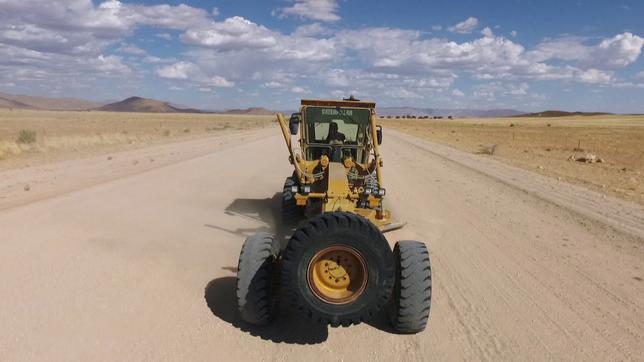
{"x":337,"y":267}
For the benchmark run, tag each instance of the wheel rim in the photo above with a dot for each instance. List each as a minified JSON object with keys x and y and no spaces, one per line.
{"x":337,"y":274}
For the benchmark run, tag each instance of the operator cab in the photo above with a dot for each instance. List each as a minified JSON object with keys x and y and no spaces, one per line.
{"x":335,"y":130}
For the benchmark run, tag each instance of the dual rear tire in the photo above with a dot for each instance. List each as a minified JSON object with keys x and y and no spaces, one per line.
{"x":338,"y":269}
{"x":257,"y":291}
{"x":411,"y":301}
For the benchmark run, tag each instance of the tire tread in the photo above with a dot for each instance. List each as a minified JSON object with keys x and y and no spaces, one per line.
{"x":411,"y":302}
{"x":255,"y":279}
{"x":326,"y":224}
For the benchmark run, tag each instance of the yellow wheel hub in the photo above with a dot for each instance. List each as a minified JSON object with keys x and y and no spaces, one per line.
{"x":337,"y":274}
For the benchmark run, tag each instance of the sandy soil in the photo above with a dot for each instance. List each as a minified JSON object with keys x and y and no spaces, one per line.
{"x":140,"y":263}
{"x":61,"y":135}
{"x":544,"y":145}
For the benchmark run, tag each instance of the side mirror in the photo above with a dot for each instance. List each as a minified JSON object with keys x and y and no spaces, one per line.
{"x":294,"y":123}
{"x":379,"y":134}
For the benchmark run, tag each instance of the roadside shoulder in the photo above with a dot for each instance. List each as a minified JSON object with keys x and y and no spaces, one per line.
{"x":622,"y":215}
{"x":29,"y":184}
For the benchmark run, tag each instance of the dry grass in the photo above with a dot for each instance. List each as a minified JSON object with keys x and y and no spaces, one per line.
{"x":545,"y":145}
{"x":28,"y":136}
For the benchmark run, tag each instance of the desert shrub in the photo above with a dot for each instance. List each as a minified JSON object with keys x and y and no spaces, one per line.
{"x":487,"y":149}
{"x":26,"y":136}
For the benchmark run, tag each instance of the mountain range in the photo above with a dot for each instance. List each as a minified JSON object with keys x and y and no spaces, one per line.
{"x":131,"y":104}
{"x":139,"y":104}
{"x":55,"y":104}
{"x":454,"y":112}
{"x":561,"y":114}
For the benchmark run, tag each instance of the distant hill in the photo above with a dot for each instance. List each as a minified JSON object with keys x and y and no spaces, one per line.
{"x":258,"y":111}
{"x":138,"y":104}
{"x":10,"y":103}
{"x":56,"y":104}
{"x":457,"y":112}
{"x":561,"y":114}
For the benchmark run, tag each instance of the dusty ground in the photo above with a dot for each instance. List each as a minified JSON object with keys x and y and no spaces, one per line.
{"x":63,"y":135}
{"x":544,"y":145}
{"x":115,"y":260}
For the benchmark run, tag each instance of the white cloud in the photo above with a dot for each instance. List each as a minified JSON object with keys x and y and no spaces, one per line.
{"x":273,"y":84}
{"x":298,"y":90}
{"x":619,"y":51}
{"x":640,"y":75}
{"x":487,"y":32}
{"x":80,"y":27}
{"x":402,"y":93}
{"x":466,"y":26}
{"x":165,"y":36}
{"x":564,"y":48}
{"x":166,"y":16}
{"x":156,"y":60}
{"x":311,"y":30}
{"x":71,"y":42}
{"x":514,"y":33}
{"x":65,"y":44}
{"x":616,"y":52}
{"x":437,"y":27}
{"x":131,"y":49}
{"x":318,"y":10}
{"x":427,"y":83}
{"x":594,"y":76}
{"x":405,"y":52}
{"x":495,"y":90}
{"x":178,"y":70}
{"x":335,"y":78}
{"x":484,"y":93}
{"x":231,"y":34}
{"x":219,"y":82}
{"x":243,"y":50}
{"x":110,"y":64}
{"x":519,"y":90}
{"x":457,"y":93}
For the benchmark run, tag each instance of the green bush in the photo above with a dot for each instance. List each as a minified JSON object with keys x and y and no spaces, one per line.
{"x":26,"y":136}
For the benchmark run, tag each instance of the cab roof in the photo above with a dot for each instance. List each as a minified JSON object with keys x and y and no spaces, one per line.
{"x":334,"y":103}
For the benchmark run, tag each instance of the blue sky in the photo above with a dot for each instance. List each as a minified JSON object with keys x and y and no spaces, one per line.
{"x":527,"y":55}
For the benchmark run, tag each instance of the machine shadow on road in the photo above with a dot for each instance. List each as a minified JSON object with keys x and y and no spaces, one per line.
{"x":265,"y":211}
{"x":288,"y":326}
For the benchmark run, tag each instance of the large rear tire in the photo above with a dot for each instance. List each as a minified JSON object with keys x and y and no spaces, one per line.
{"x":338,"y":269}
{"x":256,"y":279}
{"x":412,"y":297}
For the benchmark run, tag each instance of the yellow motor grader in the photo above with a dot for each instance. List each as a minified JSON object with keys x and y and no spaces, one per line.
{"x":337,"y":266}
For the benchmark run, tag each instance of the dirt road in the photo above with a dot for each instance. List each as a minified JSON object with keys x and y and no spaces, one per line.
{"x":140,"y":263}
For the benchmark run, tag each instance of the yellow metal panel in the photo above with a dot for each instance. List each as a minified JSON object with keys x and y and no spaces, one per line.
{"x":338,"y":191}
{"x":335,"y":103}
{"x":338,"y":183}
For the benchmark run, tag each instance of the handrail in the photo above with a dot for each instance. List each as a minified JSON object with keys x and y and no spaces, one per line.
{"x":376,"y":147}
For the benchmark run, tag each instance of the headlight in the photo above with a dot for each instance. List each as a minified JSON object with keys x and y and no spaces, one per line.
{"x":381,"y":192}
{"x":367,"y":191}
{"x":294,"y":189}
{"x":306,"y":189}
